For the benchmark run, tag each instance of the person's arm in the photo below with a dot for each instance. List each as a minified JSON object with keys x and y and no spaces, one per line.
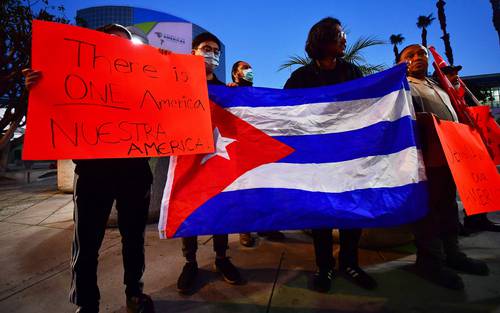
{"x":32,"y":77}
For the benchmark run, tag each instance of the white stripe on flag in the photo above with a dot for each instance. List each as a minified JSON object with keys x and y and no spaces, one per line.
{"x":326,"y":118}
{"x":392,"y":170}
{"x":165,"y":200}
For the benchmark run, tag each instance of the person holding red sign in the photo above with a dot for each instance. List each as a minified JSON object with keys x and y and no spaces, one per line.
{"x":477,"y":222}
{"x":98,"y":183}
{"x":436,"y":235}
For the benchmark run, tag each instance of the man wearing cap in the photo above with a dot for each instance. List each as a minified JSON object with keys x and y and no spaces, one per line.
{"x":436,"y":235}
{"x":451,"y":71}
{"x":99,"y":182}
{"x":477,"y":222}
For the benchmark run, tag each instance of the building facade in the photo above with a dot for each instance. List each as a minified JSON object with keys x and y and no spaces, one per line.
{"x":486,"y":87}
{"x":162,"y":30}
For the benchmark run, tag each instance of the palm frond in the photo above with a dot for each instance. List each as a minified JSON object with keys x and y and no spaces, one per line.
{"x":424,"y":21}
{"x":353,"y":52}
{"x":368,"y":69}
{"x":294,"y":60}
{"x":396,"y":39}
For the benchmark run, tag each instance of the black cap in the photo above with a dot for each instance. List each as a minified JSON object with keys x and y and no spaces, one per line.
{"x":451,"y":68}
{"x":110,"y":27}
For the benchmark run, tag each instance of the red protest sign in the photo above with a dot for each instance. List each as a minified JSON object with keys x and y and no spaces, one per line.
{"x":102,"y":96}
{"x":490,"y":129}
{"x":474,"y":173}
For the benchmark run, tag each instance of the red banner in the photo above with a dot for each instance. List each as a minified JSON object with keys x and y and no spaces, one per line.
{"x":102,"y":96}
{"x":490,"y":129}
{"x":474,"y":173}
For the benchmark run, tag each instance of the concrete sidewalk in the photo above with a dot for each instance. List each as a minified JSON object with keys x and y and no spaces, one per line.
{"x":35,"y":240}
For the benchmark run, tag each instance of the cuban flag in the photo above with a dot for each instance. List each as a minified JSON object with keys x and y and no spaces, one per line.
{"x":342,"y":156}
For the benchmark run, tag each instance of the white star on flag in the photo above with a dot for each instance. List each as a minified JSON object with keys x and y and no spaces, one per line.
{"x":220,"y":146}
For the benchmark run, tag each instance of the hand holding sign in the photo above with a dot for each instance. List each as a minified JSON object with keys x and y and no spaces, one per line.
{"x":104,"y":97}
{"x":475,"y":175}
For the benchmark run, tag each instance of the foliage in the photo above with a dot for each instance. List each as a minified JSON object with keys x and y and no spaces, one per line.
{"x":495,"y":6}
{"x":423,"y":22}
{"x":396,"y":40}
{"x":446,"y":36}
{"x":353,"y":54}
{"x":15,"y":44}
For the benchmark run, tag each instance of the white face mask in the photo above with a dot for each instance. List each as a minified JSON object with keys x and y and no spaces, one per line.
{"x":248,"y":75}
{"x":211,"y":60}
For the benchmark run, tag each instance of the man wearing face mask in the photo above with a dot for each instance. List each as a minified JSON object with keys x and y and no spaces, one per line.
{"x":325,"y":46}
{"x":208,"y":46}
{"x":436,"y":235}
{"x":242,"y":76}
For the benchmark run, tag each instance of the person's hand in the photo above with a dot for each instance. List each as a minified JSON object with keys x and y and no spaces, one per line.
{"x":164,"y":51}
{"x":231,"y":84}
{"x":32,"y":77}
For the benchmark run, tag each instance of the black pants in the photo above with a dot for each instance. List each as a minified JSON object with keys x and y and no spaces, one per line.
{"x":93,"y":197}
{"x":190,"y":246}
{"x":323,"y":247}
{"x":436,"y":235}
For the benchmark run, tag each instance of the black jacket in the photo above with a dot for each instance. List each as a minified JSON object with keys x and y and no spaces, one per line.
{"x":311,"y":75}
{"x":215,"y":81}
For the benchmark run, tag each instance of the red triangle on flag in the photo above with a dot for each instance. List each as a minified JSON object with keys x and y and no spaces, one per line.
{"x":197,"y":178}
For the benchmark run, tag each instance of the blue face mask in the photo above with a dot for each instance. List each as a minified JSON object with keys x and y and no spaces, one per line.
{"x":248,"y":75}
{"x":211,"y":60}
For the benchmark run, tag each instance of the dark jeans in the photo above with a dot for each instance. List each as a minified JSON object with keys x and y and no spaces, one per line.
{"x":190,"y":246}
{"x":323,"y":247}
{"x":93,"y":198}
{"x":436,"y":235}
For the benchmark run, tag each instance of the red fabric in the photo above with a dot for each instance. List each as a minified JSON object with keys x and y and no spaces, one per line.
{"x":251,"y":149}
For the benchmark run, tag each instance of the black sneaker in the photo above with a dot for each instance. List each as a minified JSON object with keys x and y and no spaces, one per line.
{"x":84,"y":309}
{"x":140,"y":304}
{"x":467,"y":265}
{"x":359,"y":277}
{"x":185,"y":283}
{"x":229,"y":272}
{"x":322,"y":280}
{"x":462,"y":231}
{"x":478,"y":223}
{"x":272,"y":235}
{"x":247,"y":240}
{"x":441,"y":275}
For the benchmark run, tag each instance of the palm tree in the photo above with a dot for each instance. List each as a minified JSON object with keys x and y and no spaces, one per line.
{"x":424,"y":22}
{"x":495,"y":6}
{"x":446,"y":37}
{"x":396,"y":40}
{"x":353,"y":54}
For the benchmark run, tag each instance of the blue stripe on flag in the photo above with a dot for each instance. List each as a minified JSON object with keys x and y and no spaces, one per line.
{"x":289,"y":209}
{"x":373,"y":86}
{"x":377,"y":139}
